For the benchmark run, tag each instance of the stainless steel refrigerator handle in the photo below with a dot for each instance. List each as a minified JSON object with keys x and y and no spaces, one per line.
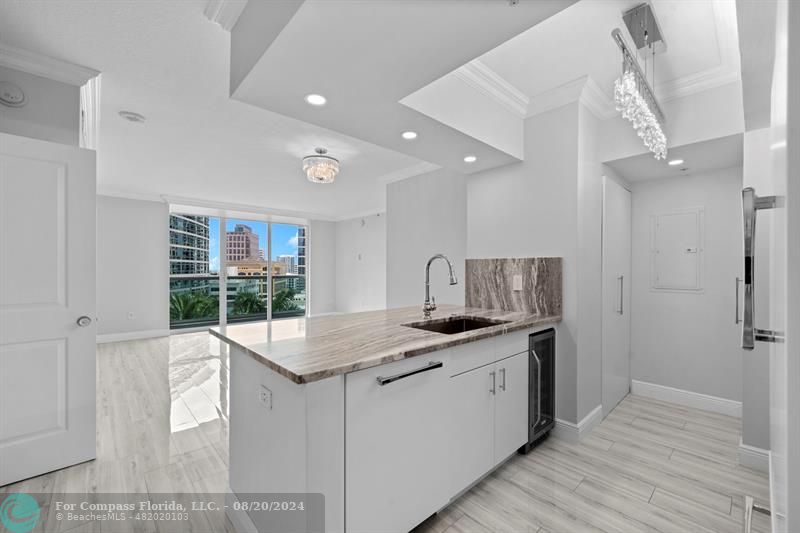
{"x":620,"y":309}
{"x":751,"y":204}
{"x":538,"y":387}
{"x":737,"y":320}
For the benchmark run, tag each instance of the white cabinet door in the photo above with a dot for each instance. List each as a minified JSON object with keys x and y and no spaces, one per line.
{"x":47,"y":307}
{"x":616,"y":293}
{"x":510,"y":406}
{"x":471,"y":435}
{"x":396,"y":445}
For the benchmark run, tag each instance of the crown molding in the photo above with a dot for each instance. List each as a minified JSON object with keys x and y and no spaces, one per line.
{"x":583,"y":89}
{"x":90,"y":113}
{"x":481,"y":77}
{"x":45,"y":66}
{"x":422,"y":167}
{"x":225,"y":13}
{"x":596,"y":100}
{"x":728,"y":71}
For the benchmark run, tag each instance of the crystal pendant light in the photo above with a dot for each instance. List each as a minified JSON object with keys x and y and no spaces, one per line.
{"x":320,"y":168}
{"x":634,"y":98}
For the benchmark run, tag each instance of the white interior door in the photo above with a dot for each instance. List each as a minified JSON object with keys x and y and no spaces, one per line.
{"x":616,"y":293}
{"x":47,"y":282}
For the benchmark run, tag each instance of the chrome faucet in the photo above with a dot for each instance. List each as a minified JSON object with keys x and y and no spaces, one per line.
{"x":430,"y":303}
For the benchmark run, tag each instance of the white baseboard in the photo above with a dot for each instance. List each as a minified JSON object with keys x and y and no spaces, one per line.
{"x":240,"y":519}
{"x":132,"y":335}
{"x":687,"y":398}
{"x":575,"y":432}
{"x":752,"y":457}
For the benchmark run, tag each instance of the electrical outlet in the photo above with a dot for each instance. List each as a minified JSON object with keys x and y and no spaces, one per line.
{"x":517,"y":282}
{"x":265,"y":397}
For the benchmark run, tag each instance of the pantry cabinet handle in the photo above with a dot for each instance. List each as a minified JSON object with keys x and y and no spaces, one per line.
{"x":493,"y":390}
{"x":430,"y":366}
{"x":503,"y":382}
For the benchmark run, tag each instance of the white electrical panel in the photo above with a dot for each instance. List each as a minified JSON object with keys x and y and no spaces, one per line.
{"x":676,"y":250}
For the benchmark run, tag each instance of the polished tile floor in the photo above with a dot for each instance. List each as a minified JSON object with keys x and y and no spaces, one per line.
{"x":162,"y":426}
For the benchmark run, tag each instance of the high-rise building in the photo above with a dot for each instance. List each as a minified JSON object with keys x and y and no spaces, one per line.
{"x":188,"y":245}
{"x":301,"y":251}
{"x":290,"y":261}
{"x":241,"y":244}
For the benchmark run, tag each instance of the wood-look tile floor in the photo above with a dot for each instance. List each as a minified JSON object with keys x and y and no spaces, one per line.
{"x":162,"y":426}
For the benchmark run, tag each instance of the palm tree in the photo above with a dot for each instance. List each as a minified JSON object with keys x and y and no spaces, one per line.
{"x":248,"y":303}
{"x":283,"y":300}
{"x":192,"y":305}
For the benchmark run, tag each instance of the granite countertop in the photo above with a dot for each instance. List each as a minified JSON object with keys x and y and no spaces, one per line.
{"x":311,"y":349}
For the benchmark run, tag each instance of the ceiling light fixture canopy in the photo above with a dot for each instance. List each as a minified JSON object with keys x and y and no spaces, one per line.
{"x":320,"y":168}
{"x":634,"y":98}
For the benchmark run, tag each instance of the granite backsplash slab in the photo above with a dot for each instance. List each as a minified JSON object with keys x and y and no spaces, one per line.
{"x":489,"y":284}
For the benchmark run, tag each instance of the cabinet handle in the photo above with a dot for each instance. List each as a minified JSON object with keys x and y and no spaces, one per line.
{"x":493,"y":390}
{"x":430,"y":366}
{"x":503,"y":382}
{"x":621,"y":280}
{"x":538,"y":388}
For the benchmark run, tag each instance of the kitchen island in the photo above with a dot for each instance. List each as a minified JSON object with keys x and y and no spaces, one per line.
{"x":388,"y":421}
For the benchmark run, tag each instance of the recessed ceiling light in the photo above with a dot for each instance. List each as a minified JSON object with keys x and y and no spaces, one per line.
{"x":675,"y":162}
{"x":130,"y":116}
{"x":409,"y":135}
{"x":316,"y":99}
{"x":470,"y":159}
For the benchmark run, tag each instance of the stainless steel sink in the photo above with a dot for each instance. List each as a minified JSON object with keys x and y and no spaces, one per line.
{"x":455,"y":324}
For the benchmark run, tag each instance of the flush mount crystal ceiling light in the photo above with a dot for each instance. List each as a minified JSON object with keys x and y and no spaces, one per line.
{"x":320,"y":168}
{"x":633,"y":96}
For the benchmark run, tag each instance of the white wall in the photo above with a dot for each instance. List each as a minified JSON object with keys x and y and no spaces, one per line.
{"x":590,"y":261}
{"x":530,"y":209}
{"x":322,"y":267}
{"x":132,"y":266}
{"x":361,"y":264}
{"x":698,"y":117}
{"x":426,"y":215}
{"x":688,"y":340}
{"x":52,"y":111}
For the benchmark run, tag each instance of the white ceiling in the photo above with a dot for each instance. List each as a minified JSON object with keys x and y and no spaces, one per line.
{"x":724,"y":152}
{"x":701,"y":38}
{"x":167,"y":61}
{"x":367,"y":57}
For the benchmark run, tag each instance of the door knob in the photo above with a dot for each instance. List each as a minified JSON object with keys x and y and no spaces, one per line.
{"x":84,"y":321}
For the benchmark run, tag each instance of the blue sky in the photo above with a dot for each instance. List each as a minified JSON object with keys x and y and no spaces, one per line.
{"x":284,"y":238}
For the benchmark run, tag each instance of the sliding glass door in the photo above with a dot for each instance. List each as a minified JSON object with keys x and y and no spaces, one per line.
{"x":238,"y":269}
